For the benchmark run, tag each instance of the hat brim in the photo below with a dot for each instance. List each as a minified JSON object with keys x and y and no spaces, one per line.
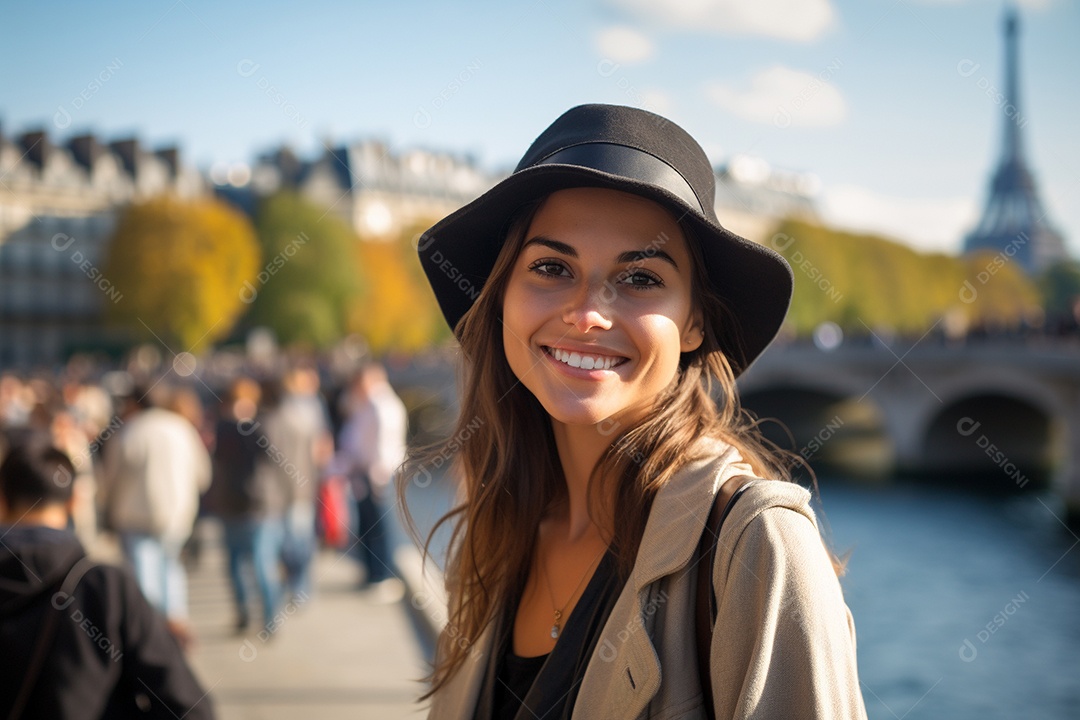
{"x":459,"y":252}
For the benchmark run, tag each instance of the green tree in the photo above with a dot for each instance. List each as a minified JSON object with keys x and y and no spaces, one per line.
{"x":181,"y":265}
{"x":1060,"y":288}
{"x":309,"y":278}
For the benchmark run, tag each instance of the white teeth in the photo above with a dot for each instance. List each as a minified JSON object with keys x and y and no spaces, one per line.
{"x":586,"y":362}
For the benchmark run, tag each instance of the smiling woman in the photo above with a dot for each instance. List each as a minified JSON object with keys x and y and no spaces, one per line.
{"x":614,"y":315}
{"x":583,"y":293}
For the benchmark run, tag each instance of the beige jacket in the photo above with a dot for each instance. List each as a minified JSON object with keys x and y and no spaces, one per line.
{"x":784,"y":641}
{"x":156,"y":469}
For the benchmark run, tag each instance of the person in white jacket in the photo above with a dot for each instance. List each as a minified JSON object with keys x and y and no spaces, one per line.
{"x":156,"y":469}
{"x":371,"y":446}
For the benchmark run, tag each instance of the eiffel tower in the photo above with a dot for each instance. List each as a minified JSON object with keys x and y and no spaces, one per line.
{"x":1014,"y":221}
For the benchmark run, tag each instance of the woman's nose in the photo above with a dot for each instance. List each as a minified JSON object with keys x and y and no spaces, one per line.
{"x":589,"y":307}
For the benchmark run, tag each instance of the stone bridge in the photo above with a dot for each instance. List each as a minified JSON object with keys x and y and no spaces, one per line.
{"x":1004,"y":410}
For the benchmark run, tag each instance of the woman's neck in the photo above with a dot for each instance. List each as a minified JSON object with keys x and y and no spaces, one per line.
{"x":579,"y":450}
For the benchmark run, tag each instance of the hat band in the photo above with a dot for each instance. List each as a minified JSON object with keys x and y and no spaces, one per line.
{"x":630,"y":163}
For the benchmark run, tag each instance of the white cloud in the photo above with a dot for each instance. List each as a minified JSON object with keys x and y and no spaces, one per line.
{"x":784,"y":97}
{"x":623,"y":44}
{"x":926,"y":224}
{"x":656,"y":101}
{"x":802,"y":20}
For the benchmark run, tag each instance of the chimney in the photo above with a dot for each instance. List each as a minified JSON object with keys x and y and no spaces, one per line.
{"x":128,"y":152}
{"x":171,"y":158}
{"x":35,"y":145}
{"x":86,"y":150}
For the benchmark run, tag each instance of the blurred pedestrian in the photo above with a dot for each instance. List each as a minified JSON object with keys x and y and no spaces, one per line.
{"x":252,"y":533}
{"x":79,"y":640}
{"x":298,"y":430}
{"x":156,"y":469}
{"x":370,"y":448}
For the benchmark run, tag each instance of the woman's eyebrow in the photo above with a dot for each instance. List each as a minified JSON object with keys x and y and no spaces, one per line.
{"x":623,"y":257}
{"x":636,"y":255}
{"x":556,"y":245}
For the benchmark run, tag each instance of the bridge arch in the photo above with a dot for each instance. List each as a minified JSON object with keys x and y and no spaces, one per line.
{"x":1004,"y":435}
{"x":830,"y":428}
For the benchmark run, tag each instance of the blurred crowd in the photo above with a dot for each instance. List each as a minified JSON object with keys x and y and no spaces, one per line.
{"x":276,"y":458}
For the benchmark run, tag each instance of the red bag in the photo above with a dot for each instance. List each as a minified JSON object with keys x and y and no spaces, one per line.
{"x":334,"y":511}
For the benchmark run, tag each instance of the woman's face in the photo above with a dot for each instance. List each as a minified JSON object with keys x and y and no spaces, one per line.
{"x":598,"y":306}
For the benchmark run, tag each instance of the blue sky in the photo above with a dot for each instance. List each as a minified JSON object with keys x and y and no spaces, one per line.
{"x":889,"y":103}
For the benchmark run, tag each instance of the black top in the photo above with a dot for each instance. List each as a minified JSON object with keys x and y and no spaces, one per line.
{"x":515,"y":678}
{"x":519,"y":688}
{"x":110,"y":647}
{"x":232,"y":490}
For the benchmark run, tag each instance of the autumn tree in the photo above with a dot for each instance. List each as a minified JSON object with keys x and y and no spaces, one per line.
{"x":308,"y":280}
{"x":866,"y":282}
{"x":397,"y":310}
{"x":180,"y":266}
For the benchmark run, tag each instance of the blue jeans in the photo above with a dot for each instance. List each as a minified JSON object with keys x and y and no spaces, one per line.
{"x":158,"y":571}
{"x":299,"y":549}
{"x":373,"y":546}
{"x":258,"y":543}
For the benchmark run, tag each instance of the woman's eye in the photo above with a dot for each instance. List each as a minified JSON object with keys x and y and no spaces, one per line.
{"x":548,"y":268}
{"x":642,"y":279}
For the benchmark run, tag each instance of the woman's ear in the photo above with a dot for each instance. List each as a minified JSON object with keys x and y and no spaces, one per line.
{"x":693,"y":334}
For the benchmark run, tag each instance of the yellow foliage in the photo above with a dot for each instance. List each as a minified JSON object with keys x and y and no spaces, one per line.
{"x":396,"y":310}
{"x":181,"y":266}
{"x":865,"y":281}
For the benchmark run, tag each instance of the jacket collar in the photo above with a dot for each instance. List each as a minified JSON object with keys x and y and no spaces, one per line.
{"x":681,"y":508}
{"x":629,"y":676}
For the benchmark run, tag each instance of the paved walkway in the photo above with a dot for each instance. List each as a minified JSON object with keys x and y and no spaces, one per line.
{"x":340,"y":655}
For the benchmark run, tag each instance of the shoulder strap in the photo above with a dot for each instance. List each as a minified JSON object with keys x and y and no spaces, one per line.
{"x":705,"y":612}
{"x":58,"y":602}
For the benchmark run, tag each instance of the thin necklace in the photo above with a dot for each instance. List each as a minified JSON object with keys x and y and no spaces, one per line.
{"x":555,"y":627}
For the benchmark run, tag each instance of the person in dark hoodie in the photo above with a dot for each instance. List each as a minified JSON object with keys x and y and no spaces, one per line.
{"x":79,"y":639}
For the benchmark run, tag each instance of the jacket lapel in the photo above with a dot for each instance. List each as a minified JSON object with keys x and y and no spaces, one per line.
{"x":624,"y":673}
{"x":458,"y":698}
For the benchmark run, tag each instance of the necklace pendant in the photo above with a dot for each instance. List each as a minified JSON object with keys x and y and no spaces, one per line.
{"x":555,"y":631}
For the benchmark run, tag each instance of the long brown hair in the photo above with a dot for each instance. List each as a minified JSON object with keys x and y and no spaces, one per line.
{"x":505,"y":454}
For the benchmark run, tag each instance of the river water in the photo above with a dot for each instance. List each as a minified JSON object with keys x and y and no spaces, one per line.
{"x":966,"y":607}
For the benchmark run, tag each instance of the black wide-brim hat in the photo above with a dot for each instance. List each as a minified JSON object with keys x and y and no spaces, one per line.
{"x":636,"y":151}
